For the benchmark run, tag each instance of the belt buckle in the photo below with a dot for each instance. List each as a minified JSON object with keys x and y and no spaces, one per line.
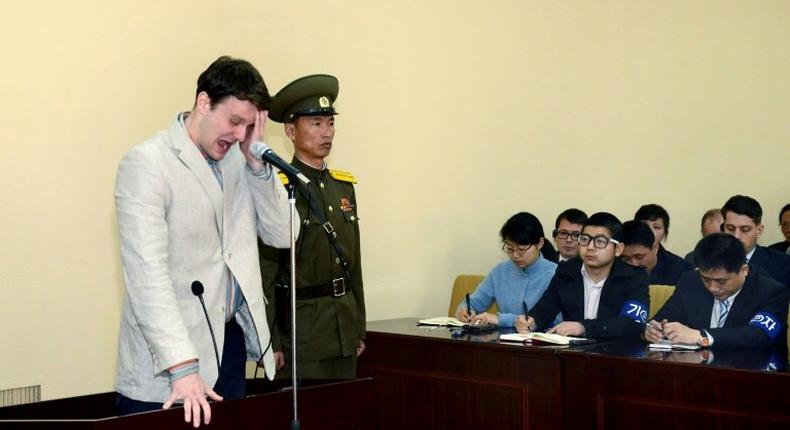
{"x":338,"y":287}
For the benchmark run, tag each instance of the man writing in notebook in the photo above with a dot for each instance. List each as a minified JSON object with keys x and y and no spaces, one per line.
{"x":599,"y":296}
{"x":727,"y":302}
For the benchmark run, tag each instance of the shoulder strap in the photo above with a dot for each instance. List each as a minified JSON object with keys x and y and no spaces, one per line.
{"x":328,"y":229}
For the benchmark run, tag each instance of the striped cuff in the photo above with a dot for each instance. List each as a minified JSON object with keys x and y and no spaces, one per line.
{"x":182,"y":371}
{"x":264,"y":173}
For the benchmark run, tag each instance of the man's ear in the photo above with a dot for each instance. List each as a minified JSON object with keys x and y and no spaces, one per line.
{"x":618,"y":249}
{"x":744,"y":272}
{"x":290,"y":130}
{"x":760,"y":229}
{"x":203,"y":103}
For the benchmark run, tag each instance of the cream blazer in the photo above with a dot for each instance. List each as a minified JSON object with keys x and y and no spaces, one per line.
{"x":177,"y":226}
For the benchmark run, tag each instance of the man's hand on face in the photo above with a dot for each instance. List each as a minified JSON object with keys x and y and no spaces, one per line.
{"x":254,"y":136}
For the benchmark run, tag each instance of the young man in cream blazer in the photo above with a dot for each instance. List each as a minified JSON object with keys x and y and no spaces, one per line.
{"x":190,"y":203}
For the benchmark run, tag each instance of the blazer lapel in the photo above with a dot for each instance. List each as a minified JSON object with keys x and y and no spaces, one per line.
{"x":191,"y":156}
{"x":231,"y":175}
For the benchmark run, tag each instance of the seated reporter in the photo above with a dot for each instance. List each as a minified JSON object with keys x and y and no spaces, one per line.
{"x":726,"y":303}
{"x":515,"y":283}
{"x":598,"y":295}
{"x":642,"y":250}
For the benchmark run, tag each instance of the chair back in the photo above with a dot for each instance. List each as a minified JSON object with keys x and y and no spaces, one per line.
{"x":465,"y":284}
{"x":659,"y":294}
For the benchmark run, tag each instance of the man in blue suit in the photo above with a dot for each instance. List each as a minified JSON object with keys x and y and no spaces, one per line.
{"x":726,"y":303}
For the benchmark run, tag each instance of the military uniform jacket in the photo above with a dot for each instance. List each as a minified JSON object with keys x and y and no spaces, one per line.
{"x":621,"y":310}
{"x":326,"y":326}
{"x":756,"y":318}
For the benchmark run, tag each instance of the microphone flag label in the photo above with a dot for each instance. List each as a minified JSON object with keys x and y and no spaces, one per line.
{"x":768,"y":323}
{"x":635,"y":310}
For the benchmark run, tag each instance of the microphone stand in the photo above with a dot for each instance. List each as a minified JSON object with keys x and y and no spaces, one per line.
{"x":291,"y":187}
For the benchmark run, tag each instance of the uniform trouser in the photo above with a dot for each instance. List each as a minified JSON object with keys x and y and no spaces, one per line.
{"x":328,"y":368}
{"x":231,"y":383}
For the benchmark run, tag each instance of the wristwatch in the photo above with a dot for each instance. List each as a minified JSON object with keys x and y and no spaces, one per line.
{"x":703,"y":340}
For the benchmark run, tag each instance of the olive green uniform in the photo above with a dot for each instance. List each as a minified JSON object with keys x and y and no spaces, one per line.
{"x":329,"y":327}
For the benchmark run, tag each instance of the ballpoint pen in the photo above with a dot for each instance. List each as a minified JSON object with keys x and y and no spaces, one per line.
{"x":468,"y":307}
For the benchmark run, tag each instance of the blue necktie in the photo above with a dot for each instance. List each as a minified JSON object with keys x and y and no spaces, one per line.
{"x":724,"y":309}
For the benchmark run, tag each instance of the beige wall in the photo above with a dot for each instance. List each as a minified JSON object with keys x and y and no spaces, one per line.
{"x":454,"y":115}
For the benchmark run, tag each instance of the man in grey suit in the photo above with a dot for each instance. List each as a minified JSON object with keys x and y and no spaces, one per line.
{"x":190,"y":204}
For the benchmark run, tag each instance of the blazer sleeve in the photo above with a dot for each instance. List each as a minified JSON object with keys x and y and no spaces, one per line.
{"x":752,"y":334}
{"x":549,"y":305}
{"x":141,"y":200}
{"x":622,"y":326}
{"x":673,"y":309}
{"x":272,"y":208}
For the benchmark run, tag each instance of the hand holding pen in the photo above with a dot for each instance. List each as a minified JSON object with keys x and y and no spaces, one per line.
{"x":465,"y":314}
{"x":654,"y":331}
{"x":524,"y":323}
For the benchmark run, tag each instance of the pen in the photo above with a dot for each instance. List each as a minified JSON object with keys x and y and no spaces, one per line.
{"x":660,"y":328}
{"x":468,"y":306}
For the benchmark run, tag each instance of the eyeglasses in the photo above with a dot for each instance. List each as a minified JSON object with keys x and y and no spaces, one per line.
{"x":516,"y":250}
{"x":563,"y":234}
{"x":599,"y":241}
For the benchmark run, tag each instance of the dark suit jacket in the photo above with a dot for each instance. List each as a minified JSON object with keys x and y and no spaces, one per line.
{"x":692,"y":305}
{"x":780,"y":246}
{"x":668,"y":268}
{"x":548,"y":251}
{"x":774,"y":262}
{"x":621,"y":310}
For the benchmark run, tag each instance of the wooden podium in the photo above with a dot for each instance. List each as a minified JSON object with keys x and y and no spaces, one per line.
{"x":324,"y":405}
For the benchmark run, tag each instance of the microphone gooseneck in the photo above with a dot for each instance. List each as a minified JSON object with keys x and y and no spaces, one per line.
{"x":197,"y":289}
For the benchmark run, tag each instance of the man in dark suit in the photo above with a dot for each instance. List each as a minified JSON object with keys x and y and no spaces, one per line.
{"x":566,"y":232}
{"x":743,"y":219}
{"x":727,"y":303}
{"x":642,"y":250}
{"x":600,"y":296}
{"x":784,"y":224}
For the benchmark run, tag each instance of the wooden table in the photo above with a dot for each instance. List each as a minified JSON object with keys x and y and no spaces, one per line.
{"x":427,"y":378}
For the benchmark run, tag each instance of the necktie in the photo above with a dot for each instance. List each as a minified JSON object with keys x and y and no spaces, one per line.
{"x":724,"y":309}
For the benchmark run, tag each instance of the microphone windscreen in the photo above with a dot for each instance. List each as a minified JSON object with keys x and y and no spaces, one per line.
{"x":258,"y":148}
{"x":197,"y":288}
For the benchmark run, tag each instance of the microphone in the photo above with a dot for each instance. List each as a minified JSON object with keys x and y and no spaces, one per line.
{"x":263,"y":152}
{"x":197,"y":289}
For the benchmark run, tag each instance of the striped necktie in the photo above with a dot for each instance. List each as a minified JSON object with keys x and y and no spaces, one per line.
{"x":724,"y":309}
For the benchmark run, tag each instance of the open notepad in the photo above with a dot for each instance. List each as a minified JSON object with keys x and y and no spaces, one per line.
{"x":667,"y":345}
{"x":538,"y":337}
{"x":442,"y":321}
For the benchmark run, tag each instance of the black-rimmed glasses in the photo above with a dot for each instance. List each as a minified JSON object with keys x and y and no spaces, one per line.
{"x":563,"y":234}
{"x":600,"y":241}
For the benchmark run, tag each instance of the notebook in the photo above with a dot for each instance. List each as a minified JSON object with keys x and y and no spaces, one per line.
{"x":537,"y":338}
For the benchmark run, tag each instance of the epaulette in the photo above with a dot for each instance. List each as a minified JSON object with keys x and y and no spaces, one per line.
{"x":283,"y":178}
{"x":343,"y":176}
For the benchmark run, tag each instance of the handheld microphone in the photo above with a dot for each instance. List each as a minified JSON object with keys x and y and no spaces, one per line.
{"x":263,"y":152}
{"x":197,"y":289}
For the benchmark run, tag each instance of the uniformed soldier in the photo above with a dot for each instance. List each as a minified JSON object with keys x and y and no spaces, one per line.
{"x":330,"y":305}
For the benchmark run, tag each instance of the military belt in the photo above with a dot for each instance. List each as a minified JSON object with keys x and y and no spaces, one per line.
{"x":333,"y":288}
